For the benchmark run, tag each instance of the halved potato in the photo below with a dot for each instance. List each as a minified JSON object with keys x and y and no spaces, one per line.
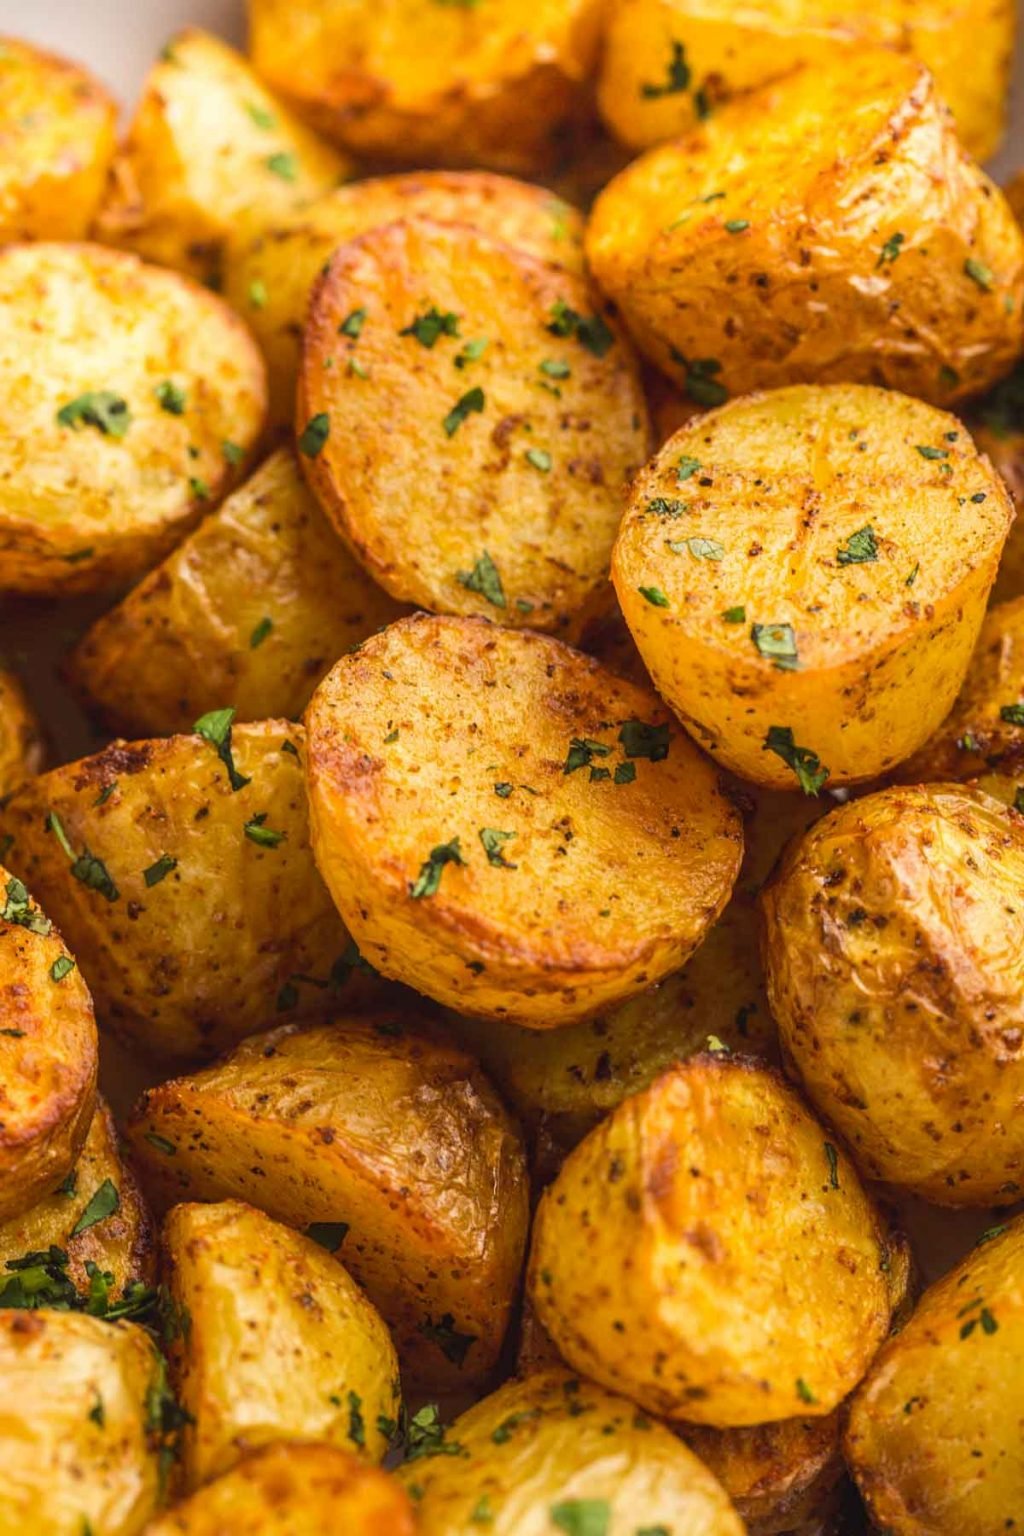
{"x":127,"y":397}
{"x":487,"y":387}
{"x":781,"y":1477}
{"x":997,"y":426}
{"x":251,"y":610}
{"x":387,"y":1146}
{"x":805,"y":573}
{"x":826,"y":228}
{"x":21,"y":739}
{"x":509,"y":828}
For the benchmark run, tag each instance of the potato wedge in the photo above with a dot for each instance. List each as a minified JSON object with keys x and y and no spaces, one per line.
{"x":180,"y":870}
{"x":21,"y":739}
{"x":210,"y":155}
{"x":997,"y":426}
{"x":553,"y":1452}
{"x":391,"y":1146}
{"x":894,"y":953}
{"x":251,"y":610}
{"x":518,"y":455}
{"x":780,"y":1477}
{"x":127,"y":396}
{"x":614,"y":849}
{"x":649,"y":1276}
{"x":58,"y":130}
{"x":805,"y":573}
{"x":854,"y":240}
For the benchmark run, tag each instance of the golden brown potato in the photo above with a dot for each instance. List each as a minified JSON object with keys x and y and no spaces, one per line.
{"x":894,"y":952}
{"x":180,"y":871}
{"x":934,"y":1434}
{"x":805,"y":572}
{"x":386,"y":1145}
{"x":251,"y":610}
{"x":488,"y":386}
{"x":780,"y":1477}
{"x":57,"y":136}
{"x":127,"y":397}
{"x":411,"y":80}
{"x":21,"y":739}
{"x":554,"y":1452}
{"x":509,"y":828}
{"x":210,"y":157}
{"x":708,"y":1250}
{"x":997,"y":426}
{"x":827,"y":228}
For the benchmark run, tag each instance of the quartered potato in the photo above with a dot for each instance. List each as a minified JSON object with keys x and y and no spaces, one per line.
{"x":894,"y":951}
{"x":180,"y":871}
{"x":827,"y":228}
{"x":250,"y":611}
{"x":709,"y":1251}
{"x":509,"y":828}
{"x":21,"y":740}
{"x":498,"y":420}
{"x":781,"y":1477}
{"x":805,"y":573}
{"x":554,"y":1453}
{"x":57,"y":136}
{"x":387,"y":1146}
{"x":127,"y":396}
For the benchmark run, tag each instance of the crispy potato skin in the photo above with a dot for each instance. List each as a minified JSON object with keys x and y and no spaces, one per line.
{"x":83,"y":508}
{"x":210,"y":155}
{"x":784,"y":481}
{"x":57,"y":132}
{"x":396,"y":1134}
{"x":997,"y":426}
{"x":65,"y":1465}
{"x":553,"y":1438}
{"x":779,"y":1476}
{"x":21,"y":738}
{"x":194,"y":635}
{"x":934,"y":1432}
{"x":813,"y":180}
{"x":187,"y":963}
{"x":282,"y":1343}
{"x":893,"y":949}
{"x":649,"y":1277}
{"x":547,"y":523}
{"x":614,"y":884}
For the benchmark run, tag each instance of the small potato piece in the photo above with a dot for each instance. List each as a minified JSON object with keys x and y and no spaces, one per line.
{"x":553,"y":1452}
{"x":194,"y":909}
{"x":710,"y":1252}
{"x":614,"y":849}
{"x":75,"y":1401}
{"x":805,"y":574}
{"x":124,"y":391}
{"x":997,"y":426}
{"x":780,"y":1477}
{"x":251,"y":610}
{"x":894,"y":952}
{"x":854,"y":240}
{"x":21,"y":741}
{"x":281,"y":1343}
{"x":57,"y":135}
{"x":516,"y":458}
{"x":363,"y":1126}
{"x":934,"y":1435}
{"x":210,"y":156}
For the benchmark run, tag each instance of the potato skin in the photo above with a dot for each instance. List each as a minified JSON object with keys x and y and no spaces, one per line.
{"x":821,"y":173}
{"x":786,"y":483}
{"x":552,"y":940}
{"x":997,"y":426}
{"x":250,"y":610}
{"x":647,"y":1275}
{"x":893,"y":949}
{"x":396,"y":1134}
{"x":82,"y":507}
{"x":21,"y":738}
{"x":779,"y":1476}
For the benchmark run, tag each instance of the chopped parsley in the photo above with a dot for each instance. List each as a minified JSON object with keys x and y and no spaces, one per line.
{"x":352,"y":325}
{"x":555,"y":368}
{"x":928,"y":452}
{"x":428,"y":328}
{"x":591,"y":331}
{"x":641,"y":739}
{"x":263,"y":836}
{"x":425,"y":1436}
{"x":160,"y":870}
{"x":1012,"y":714}
{"x":98,"y":408}
{"x":472,"y":352}
{"x":677,"y":77}
{"x":233,"y":454}
{"x":18,"y":909}
{"x":356,"y":1422}
{"x":61,"y":967}
{"x":582,"y":752}
{"x":778,"y":643}
{"x":699,"y":379}
{"x":171,"y":397}
{"x":539,"y":458}
{"x":315,"y":434}
{"x":891,"y":249}
{"x":85,"y":866}
{"x":979,"y":273}
{"x":582,"y":1517}
{"x":283,"y":164}
{"x":257,"y":293}
{"x":861,"y":548}
{"x":736,"y":615}
{"x":687,"y":468}
{"x":736,"y":226}
{"x":215,"y":727}
{"x":663,"y":506}
{"x":472,"y":400}
{"x":485,"y":579}
{"x":453,"y":1345}
{"x":429,"y":877}
{"x":832,"y":1158}
{"x":161,"y":1143}
{"x":700,"y":548}
{"x":260,"y":633}
{"x":492,"y":840}
{"x":804,"y":1392}
{"x":105,"y":1202}
{"x":261,"y":116}
{"x":654,"y":595}
{"x":810,"y":774}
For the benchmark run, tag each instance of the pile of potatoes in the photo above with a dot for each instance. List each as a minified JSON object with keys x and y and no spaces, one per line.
{"x":518,"y":1025}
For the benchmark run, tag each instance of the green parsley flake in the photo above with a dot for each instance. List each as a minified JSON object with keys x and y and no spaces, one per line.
{"x":353,"y":324}
{"x":105,"y":1202}
{"x":260,"y":633}
{"x":315,"y":434}
{"x":928,"y":452}
{"x":654,"y":595}
{"x":485,"y":579}
{"x":699,"y":379}
{"x":264,"y":837}
{"x":979,"y":273}
{"x":85,"y":866}
{"x":778,"y":643}
{"x":257,"y":294}
{"x":492,"y":840}
{"x":539,"y":458}
{"x":804,"y":1392}
{"x":735,"y":615}
{"x":429,"y":877}
{"x":861,"y":548}
{"x":677,"y":77}
{"x":582,"y":1517}
{"x":160,"y":870}
{"x":641,"y":739}
{"x":686,"y":468}
{"x":18,"y":909}
{"x":810,"y":774}
{"x":215,"y":727}
{"x":61,"y":967}
{"x":699,"y":548}
{"x":472,"y":352}
{"x":472,"y":400}
{"x":453,"y":1345}
{"x":891,"y":249}
{"x":429,"y":327}
{"x":283,"y":164}
{"x":832,"y":1156}
{"x":98,"y":408}
{"x":736,"y":226}
{"x":171,"y":397}
{"x":582,"y":752}
{"x":591,"y":331}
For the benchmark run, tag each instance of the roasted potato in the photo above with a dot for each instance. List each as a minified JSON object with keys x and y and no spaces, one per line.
{"x":127,"y":396}
{"x":805,"y":573}
{"x":894,"y":952}
{"x":21,"y":740}
{"x":251,"y":610}
{"x":827,"y":228}
{"x":180,"y":871}
{"x":780,"y":1477}
{"x":57,"y":135}
{"x":553,"y":1451}
{"x":517,"y":456}
{"x":388,"y":1145}
{"x":616,"y":847}
{"x":710,"y":1252}
{"x":997,"y":426}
